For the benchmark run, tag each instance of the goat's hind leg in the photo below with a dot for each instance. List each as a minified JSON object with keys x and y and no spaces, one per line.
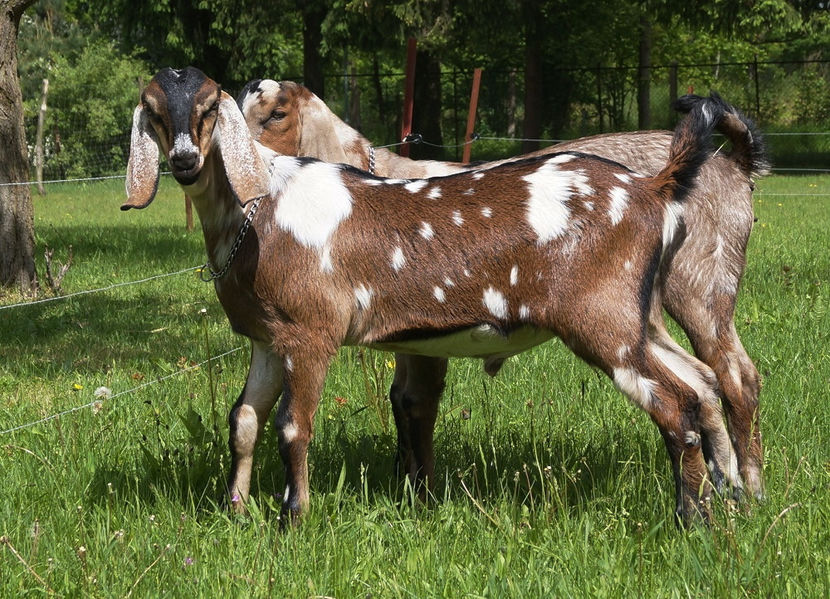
{"x":674,"y":407}
{"x":248,"y":417}
{"x":415,"y":394}
{"x":718,"y":452}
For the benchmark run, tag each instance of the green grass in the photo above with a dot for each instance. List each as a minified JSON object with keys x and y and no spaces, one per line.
{"x":549,"y":483}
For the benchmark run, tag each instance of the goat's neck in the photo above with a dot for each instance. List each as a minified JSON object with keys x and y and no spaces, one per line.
{"x":219,"y":212}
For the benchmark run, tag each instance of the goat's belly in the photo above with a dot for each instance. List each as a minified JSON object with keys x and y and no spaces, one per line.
{"x":482,"y":341}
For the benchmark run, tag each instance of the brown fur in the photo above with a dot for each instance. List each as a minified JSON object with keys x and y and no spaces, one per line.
{"x":698,"y":287}
{"x":335,"y":256}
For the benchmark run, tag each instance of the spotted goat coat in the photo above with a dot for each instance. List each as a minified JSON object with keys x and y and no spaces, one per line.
{"x":484,"y":264}
{"x":698,"y":287}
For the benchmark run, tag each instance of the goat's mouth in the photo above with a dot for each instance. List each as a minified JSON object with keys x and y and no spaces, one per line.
{"x":187,"y":177}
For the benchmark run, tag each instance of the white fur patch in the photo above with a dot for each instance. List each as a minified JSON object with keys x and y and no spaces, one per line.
{"x":289,"y":432}
{"x":627,"y":265}
{"x":495,"y":302}
{"x":561,"y":159}
{"x":524,"y":312}
{"x":449,"y":282}
{"x":398,"y":259}
{"x":550,"y":189}
{"x":478,"y":175}
{"x":439,"y":294}
{"x":625,"y":178}
{"x":619,"y":202}
{"x":434,"y":193}
{"x":486,"y":212}
{"x":469,"y":191}
{"x":183,"y":144}
{"x":311,"y":199}
{"x":426,"y":230}
{"x":416,"y":186}
{"x":363,"y":296}
{"x":636,"y":387}
{"x":514,"y":275}
{"x":457,"y":218}
{"x":671,"y":221}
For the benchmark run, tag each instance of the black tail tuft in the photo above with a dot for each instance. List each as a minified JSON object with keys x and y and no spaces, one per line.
{"x":749,"y":149}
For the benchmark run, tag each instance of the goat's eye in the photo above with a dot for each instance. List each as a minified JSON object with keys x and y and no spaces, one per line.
{"x":277,"y":115}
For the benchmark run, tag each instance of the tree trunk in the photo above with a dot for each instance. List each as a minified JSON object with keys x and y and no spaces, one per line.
{"x":314,"y":12}
{"x":17,"y":238}
{"x":644,"y":75}
{"x":426,"y":119}
{"x":533,"y":77}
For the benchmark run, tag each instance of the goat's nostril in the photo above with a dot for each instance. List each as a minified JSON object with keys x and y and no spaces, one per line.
{"x":184,"y":161}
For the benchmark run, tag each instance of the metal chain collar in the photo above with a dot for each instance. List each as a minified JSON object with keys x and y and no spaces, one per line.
{"x":212,"y":274}
{"x":371,"y":160}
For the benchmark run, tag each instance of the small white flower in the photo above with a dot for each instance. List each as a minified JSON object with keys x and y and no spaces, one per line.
{"x":103,"y":393}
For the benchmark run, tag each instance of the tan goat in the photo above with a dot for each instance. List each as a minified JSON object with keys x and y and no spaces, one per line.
{"x":698,"y":287}
{"x":307,"y":256}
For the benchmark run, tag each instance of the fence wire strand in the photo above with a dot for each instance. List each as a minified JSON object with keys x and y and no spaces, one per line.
{"x":107,"y":288}
{"x":101,"y":401}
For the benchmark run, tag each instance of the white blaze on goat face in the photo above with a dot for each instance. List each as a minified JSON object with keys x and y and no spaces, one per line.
{"x":311,"y":200}
{"x":398,"y":259}
{"x":183,"y":145}
{"x":495,"y":302}
{"x":619,"y":202}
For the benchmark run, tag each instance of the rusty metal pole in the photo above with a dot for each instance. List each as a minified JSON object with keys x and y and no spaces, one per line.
{"x":471,"y":115}
{"x":409,"y":94}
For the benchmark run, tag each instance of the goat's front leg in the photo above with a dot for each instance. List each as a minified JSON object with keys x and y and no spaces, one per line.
{"x":248,"y":417}
{"x":294,"y":422}
{"x":416,"y":391}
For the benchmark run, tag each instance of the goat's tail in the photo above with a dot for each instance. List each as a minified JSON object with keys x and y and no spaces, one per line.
{"x":748,"y":148}
{"x":690,"y":147}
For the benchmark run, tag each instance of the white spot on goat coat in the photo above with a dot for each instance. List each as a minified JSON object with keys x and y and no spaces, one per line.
{"x":671,"y":222}
{"x":486,"y":212}
{"x":625,"y":178}
{"x":439,"y":294}
{"x":495,"y":302}
{"x":514,"y":275}
{"x":550,"y":189}
{"x":619,"y":202}
{"x":289,"y":432}
{"x":639,"y":389}
{"x":524,"y":312}
{"x":434,"y":193}
{"x":457,"y":218}
{"x":416,"y":186}
{"x":363,"y":296}
{"x":398,"y":259}
{"x":426,"y":230}
{"x":311,"y":200}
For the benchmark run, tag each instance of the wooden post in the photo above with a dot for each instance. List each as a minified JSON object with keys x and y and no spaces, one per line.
{"x":188,"y":213}
{"x":41,"y":119}
{"x":471,"y":115}
{"x":409,"y":94}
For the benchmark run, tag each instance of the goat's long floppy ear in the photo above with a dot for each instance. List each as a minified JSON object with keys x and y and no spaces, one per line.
{"x":318,"y":137}
{"x":244,"y":168}
{"x":143,"y":165}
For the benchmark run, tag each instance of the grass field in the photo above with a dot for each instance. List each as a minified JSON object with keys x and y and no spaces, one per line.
{"x":548,"y":482}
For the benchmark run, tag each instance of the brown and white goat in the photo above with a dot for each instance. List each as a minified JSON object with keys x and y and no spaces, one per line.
{"x":698,"y":287}
{"x":483,"y":264}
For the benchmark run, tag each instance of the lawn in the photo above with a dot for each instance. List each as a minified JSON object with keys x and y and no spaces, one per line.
{"x":549,"y":483}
